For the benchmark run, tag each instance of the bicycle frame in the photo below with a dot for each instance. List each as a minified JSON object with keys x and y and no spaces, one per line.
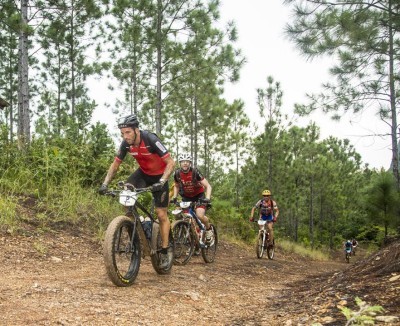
{"x":125,"y":239}
{"x":188,"y":208}
{"x":148,"y":248}
{"x":128,"y":198}
{"x":348,"y":254}
{"x":189,"y":235}
{"x":263,"y":240}
{"x":264,"y":230}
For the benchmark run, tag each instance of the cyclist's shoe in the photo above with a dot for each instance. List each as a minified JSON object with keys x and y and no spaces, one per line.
{"x":164,"y":261}
{"x":209,"y":237}
{"x":196,"y":252}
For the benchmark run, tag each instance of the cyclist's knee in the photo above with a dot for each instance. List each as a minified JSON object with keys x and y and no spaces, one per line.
{"x":162,"y":214}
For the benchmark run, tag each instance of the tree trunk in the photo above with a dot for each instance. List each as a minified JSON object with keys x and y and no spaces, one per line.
{"x":311,"y":222}
{"x":159,"y":98}
{"x":72,"y":60}
{"x":58,"y":123}
{"x":395,"y":151}
{"x":195,"y":132}
{"x":10,"y":95}
{"x":23,"y":80}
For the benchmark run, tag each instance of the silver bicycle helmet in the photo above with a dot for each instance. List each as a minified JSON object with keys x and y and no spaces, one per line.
{"x":185,"y":157}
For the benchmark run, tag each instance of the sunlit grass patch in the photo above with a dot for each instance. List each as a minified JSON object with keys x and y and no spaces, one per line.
{"x":8,"y":214}
{"x":295,"y":248}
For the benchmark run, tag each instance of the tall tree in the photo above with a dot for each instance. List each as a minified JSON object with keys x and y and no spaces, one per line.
{"x":65,"y":37}
{"x":364,"y":37}
{"x":269,"y":101}
{"x":382,"y":200}
{"x":24,"y":119}
{"x":238,"y":136}
{"x":129,"y":53}
{"x":9,"y":64}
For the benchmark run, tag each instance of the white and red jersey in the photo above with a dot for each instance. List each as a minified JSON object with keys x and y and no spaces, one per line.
{"x":189,"y":182}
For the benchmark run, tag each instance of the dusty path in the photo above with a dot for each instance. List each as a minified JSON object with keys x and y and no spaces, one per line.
{"x":59,"y":279}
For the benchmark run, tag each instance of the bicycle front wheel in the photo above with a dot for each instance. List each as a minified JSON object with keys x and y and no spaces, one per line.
{"x":184,"y":239}
{"x":209,"y":250}
{"x":260,"y":245}
{"x":122,"y":255}
{"x":271,"y":250}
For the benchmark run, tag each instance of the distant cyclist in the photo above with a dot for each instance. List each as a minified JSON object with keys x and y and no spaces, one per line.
{"x":348,"y":246}
{"x":192,"y":186}
{"x":354,"y":242}
{"x":155,"y":167}
{"x":268,"y":212}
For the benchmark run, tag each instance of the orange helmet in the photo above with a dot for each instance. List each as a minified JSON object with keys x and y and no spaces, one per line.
{"x":266,"y":192}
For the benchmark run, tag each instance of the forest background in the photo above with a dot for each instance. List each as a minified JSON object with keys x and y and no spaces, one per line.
{"x":171,"y":61}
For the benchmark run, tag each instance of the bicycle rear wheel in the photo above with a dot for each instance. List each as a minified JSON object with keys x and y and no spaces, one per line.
{"x":260,"y":245}
{"x":156,"y":244}
{"x":184,"y":239}
{"x":209,"y":251}
{"x":122,"y":256}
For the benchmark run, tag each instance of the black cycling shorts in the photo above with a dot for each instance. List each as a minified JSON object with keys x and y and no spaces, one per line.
{"x":141,"y":180}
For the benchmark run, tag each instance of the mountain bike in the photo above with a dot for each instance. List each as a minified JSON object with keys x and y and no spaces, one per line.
{"x":189,"y":234}
{"x":347,"y":254}
{"x":127,"y":238}
{"x":263,"y":241}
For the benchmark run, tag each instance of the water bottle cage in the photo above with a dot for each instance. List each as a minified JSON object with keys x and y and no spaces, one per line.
{"x":147,"y":229}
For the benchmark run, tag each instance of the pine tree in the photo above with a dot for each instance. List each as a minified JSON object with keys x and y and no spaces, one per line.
{"x":364,"y":38}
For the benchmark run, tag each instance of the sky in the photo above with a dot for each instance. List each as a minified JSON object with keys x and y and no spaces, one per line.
{"x":268,"y":52}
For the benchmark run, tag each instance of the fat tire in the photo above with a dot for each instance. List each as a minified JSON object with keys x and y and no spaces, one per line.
{"x":115,"y":252}
{"x":156,"y":244}
{"x":260,"y":245}
{"x":184,"y":240}
{"x":209,"y":252}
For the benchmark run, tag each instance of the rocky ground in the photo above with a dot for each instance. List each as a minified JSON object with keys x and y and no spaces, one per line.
{"x":58,"y":278}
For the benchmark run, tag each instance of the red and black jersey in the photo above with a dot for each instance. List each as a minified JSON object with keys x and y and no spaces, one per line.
{"x":149,"y":154}
{"x":189,"y":182}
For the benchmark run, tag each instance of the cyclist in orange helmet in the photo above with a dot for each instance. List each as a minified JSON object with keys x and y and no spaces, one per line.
{"x":268,"y":212}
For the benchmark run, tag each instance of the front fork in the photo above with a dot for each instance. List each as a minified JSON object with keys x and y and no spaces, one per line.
{"x":133,"y":213}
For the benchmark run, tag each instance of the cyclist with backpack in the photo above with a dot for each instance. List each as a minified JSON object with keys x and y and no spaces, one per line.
{"x":193,"y":186}
{"x":155,"y":167}
{"x":348,"y":246}
{"x":354,"y":242}
{"x":268,"y":212}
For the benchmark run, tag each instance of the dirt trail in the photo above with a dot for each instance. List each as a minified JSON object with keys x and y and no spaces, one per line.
{"x":59,"y":278}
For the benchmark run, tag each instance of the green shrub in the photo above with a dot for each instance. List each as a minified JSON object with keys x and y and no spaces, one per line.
{"x":8,"y":214}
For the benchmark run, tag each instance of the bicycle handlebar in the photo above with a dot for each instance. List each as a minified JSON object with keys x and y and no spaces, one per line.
{"x":126,"y":186}
{"x":193,"y":204}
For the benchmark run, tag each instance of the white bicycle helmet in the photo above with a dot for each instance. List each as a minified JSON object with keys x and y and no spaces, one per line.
{"x":184,"y":157}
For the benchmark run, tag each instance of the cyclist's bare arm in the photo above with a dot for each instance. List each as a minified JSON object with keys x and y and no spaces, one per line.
{"x":252,"y":212}
{"x":276,"y":212}
{"x":112,"y":171}
{"x":207,"y":186}
{"x":176,"y":189}
{"x":169,"y":168}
